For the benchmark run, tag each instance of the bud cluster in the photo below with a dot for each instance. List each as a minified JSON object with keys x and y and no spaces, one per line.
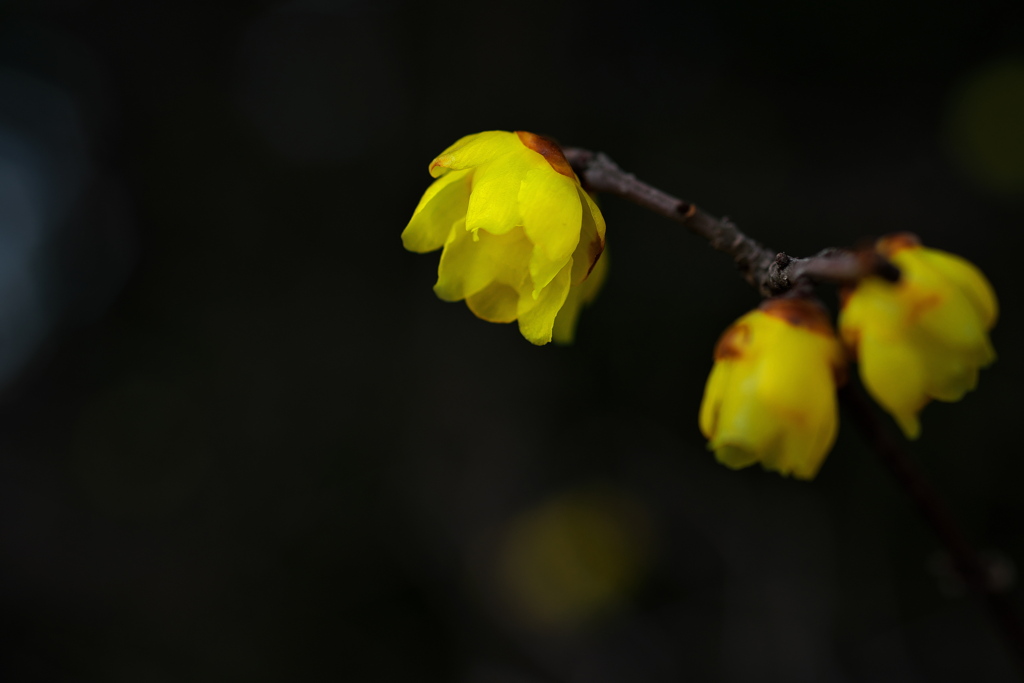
{"x":770,"y":397}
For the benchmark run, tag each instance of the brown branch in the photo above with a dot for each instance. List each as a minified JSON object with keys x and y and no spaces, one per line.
{"x":774,"y":273}
{"x":598,"y":173}
{"x":769,"y":272}
{"x":836,"y":266}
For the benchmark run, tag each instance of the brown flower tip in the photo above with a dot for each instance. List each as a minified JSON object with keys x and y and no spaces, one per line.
{"x":840,"y":375}
{"x":851,"y":342}
{"x":890,"y":245}
{"x":730,"y":344}
{"x":844,"y":295}
{"x":442,"y":160}
{"x":805,"y":313}
{"x":548,"y":149}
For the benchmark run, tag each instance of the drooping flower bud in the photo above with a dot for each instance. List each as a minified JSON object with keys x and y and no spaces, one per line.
{"x":923,"y":337}
{"x":771,"y":395}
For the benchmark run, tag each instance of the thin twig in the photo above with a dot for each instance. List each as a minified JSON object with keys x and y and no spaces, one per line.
{"x":598,"y":173}
{"x":774,"y":273}
{"x":973,"y":571}
{"x":769,"y":272}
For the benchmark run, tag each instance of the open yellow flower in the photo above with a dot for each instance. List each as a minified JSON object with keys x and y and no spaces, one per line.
{"x":923,"y":337}
{"x":771,"y":395}
{"x":519,"y":232}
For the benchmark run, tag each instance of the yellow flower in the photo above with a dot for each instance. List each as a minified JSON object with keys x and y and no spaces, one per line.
{"x":771,"y":396}
{"x":520,"y":235}
{"x":923,"y":337}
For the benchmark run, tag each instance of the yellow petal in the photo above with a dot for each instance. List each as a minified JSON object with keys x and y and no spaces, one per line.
{"x":494,"y":201}
{"x":956,"y":324}
{"x":537,"y":316}
{"x":949,"y":372}
{"x":444,"y":202}
{"x":895,"y":377}
{"x":745,"y":426}
{"x":732,"y":347}
{"x":579,"y":296}
{"x":714,"y":393}
{"x":564,"y":330}
{"x":595,"y":213}
{"x":797,"y":385}
{"x":591,"y":242}
{"x":552,"y":214}
{"x":968,"y":279}
{"x":743,"y":422}
{"x":804,"y":447}
{"x":496,"y":303}
{"x":735,"y":457}
{"x":468,"y":265}
{"x":473,"y":150}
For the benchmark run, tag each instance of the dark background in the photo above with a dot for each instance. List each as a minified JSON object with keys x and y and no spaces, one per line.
{"x":240,"y":439}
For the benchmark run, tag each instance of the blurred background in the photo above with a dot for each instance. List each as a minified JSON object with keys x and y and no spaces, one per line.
{"x":240,"y":439}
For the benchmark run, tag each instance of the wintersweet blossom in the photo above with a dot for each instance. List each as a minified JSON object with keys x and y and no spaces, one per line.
{"x":519,"y":233}
{"x":923,"y":337}
{"x":771,"y":395}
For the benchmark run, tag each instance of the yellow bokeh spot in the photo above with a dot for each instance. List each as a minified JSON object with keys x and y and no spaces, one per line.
{"x":985,"y":126}
{"x":574,"y":558}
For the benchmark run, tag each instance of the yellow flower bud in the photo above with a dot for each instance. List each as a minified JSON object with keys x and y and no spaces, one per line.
{"x":923,"y":337}
{"x":771,"y":395}
{"x":518,"y":232}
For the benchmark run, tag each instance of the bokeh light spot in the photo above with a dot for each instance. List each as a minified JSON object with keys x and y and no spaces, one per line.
{"x":985,"y":126}
{"x":574,"y":558}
